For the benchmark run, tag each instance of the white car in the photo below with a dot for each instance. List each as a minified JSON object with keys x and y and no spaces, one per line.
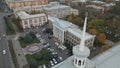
{"x":3,"y":35}
{"x":51,"y":63}
{"x":54,"y":61}
{"x":60,"y":58}
{"x":4,"y":51}
{"x":56,"y":43}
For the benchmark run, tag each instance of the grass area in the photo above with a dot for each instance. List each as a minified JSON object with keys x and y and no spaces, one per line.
{"x":42,"y":60}
{"x":9,"y":26}
{"x":17,"y":21}
{"x":13,"y":54}
{"x":24,"y":44}
{"x":112,"y":38}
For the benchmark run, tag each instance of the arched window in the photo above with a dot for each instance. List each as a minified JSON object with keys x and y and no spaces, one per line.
{"x":79,"y":63}
{"x":83,"y":62}
{"x":76,"y":61}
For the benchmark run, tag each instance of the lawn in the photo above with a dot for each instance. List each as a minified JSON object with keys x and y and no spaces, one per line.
{"x":9,"y":26}
{"x":42,"y":60}
{"x":24,"y":44}
{"x":14,"y":58}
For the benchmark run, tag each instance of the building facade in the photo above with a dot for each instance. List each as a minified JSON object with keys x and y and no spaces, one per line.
{"x":56,"y":10}
{"x":73,"y":37}
{"x":22,"y":3}
{"x":66,"y":32}
{"x":28,"y":21}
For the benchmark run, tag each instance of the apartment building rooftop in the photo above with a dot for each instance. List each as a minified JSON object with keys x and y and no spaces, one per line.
{"x":55,"y":7}
{"x":24,"y":15}
{"x":21,"y":0}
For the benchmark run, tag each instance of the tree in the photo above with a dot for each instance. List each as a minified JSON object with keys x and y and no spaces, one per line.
{"x":33,"y":63}
{"x":48,"y":55}
{"x":92,"y":31}
{"x":38,"y":56}
{"x":70,"y":18}
{"x":101,"y":38}
{"x":32,"y":34}
{"x":28,"y":38}
{"x":97,"y":24}
{"x":49,"y":30}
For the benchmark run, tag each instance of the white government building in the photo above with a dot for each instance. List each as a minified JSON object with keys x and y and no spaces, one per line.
{"x":35,"y":20}
{"x":64,"y":31}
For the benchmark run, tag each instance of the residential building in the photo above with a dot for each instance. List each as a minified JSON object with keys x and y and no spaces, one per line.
{"x":76,"y":1}
{"x":36,"y":8}
{"x":57,"y":10}
{"x":28,"y":21}
{"x":22,"y":3}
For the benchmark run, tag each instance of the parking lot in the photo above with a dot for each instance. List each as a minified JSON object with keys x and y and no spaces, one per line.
{"x":47,"y":41}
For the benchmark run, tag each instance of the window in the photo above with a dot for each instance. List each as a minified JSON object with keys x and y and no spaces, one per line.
{"x":39,"y":19}
{"x":35,"y":20}
{"x":44,"y":19}
{"x":30,"y":21}
{"x":79,"y":63}
{"x":76,"y":61}
{"x":25,"y":22}
{"x":83,"y":62}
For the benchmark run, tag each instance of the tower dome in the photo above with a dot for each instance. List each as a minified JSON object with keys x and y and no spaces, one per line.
{"x":81,"y":52}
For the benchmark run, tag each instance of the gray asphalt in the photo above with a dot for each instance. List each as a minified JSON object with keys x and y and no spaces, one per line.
{"x":5,"y":60}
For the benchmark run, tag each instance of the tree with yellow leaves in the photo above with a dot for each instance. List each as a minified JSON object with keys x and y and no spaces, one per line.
{"x":101,"y":38}
{"x":92,"y":31}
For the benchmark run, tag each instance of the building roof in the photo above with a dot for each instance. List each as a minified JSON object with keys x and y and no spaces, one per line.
{"x":78,"y":33}
{"x":108,"y":59}
{"x":24,"y":15}
{"x":48,"y":8}
{"x":61,"y":24}
{"x":68,"y":63}
{"x":21,"y":0}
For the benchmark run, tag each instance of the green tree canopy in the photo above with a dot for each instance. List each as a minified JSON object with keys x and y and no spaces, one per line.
{"x":97,"y":24}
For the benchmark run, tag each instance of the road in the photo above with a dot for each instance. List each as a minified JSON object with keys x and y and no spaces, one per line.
{"x":5,"y":60}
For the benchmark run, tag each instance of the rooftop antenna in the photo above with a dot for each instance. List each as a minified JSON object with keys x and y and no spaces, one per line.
{"x":82,"y":43}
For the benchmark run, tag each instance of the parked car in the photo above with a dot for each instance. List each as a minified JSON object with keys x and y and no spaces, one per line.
{"x":51,"y":62}
{"x":4,"y":35}
{"x":56,"y":43}
{"x":54,"y":60}
{"x":60,"y":58}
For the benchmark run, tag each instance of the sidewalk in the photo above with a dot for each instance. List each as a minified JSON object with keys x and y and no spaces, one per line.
{"x":108,"y":42}
{"x":19,"y":54}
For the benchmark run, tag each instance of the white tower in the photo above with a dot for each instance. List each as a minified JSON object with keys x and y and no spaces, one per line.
{"x":81,"y":52}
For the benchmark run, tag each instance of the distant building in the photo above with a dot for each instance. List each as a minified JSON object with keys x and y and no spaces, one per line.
{"x":57,"y":10}
{"x":64,"y":31}
{"x":75,"y":1}
{"x":22,"y":3}
{"x":96,"y":7}
{"x":28,"y":21}
{"x":37,"y":8}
